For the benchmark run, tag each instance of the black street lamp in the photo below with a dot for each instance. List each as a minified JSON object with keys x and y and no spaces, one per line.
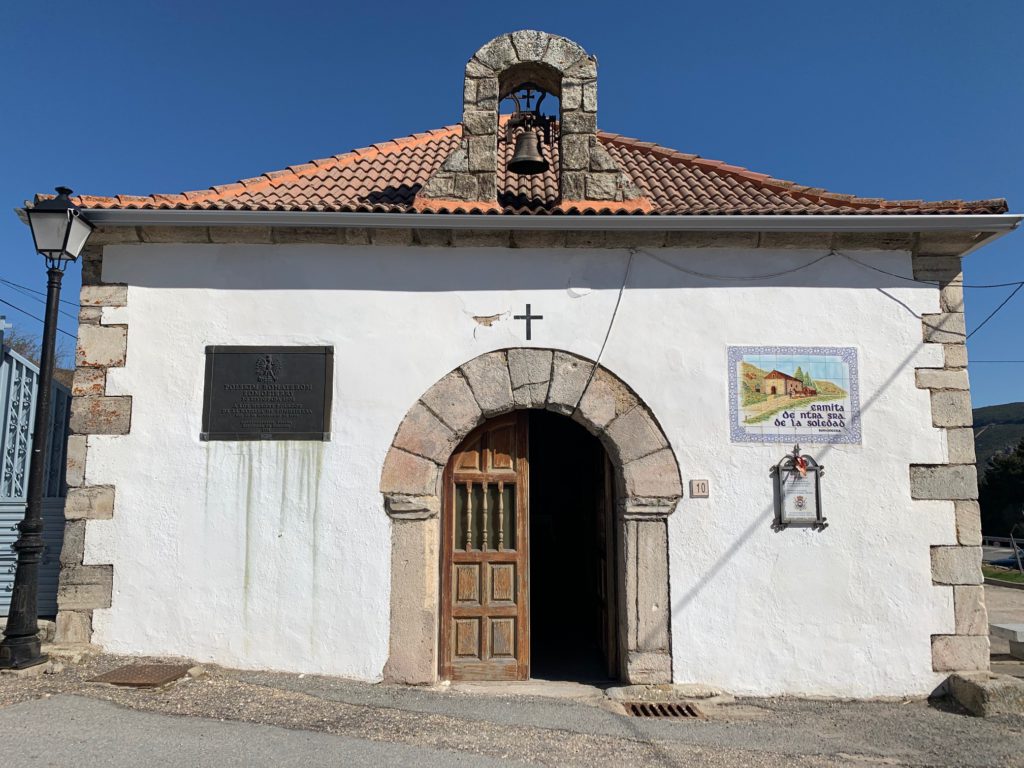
{"x":60,"y":232}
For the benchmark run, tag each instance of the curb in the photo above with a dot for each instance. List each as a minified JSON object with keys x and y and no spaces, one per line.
{"x":1001,"y":583}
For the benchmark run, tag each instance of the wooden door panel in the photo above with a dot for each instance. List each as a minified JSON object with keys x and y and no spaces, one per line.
{"x":503,"y":638}
{"x":484,"y":612}
{"x":503,"y":583}
{"x":502,"y":449}
{"x":467,"y":638}
{"x":467,"y":584}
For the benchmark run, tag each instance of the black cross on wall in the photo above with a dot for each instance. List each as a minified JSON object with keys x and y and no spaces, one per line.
{"x":529,"y":318}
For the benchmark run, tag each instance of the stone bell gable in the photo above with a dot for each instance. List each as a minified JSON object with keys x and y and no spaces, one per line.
{"x":559,"y":66}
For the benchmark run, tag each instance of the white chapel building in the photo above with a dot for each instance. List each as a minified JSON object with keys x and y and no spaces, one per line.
{"x":516,"y":398}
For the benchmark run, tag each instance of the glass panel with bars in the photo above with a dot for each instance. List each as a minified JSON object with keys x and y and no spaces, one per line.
{"x":485,"y":516}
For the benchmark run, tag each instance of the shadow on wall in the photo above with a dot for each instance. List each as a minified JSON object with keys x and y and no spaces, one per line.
{"x":767,"y":516}
{"x":423,"y":269}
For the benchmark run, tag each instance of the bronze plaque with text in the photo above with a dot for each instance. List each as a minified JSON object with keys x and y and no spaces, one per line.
{"x":268,"y":393}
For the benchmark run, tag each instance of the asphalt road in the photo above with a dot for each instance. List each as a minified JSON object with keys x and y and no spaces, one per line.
{"x":73,"y":730}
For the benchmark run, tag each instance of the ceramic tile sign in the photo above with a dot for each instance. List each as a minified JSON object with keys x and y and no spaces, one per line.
{"x":794,"y":394}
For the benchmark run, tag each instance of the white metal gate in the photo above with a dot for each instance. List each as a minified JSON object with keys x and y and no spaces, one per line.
{"x":19,"y":380}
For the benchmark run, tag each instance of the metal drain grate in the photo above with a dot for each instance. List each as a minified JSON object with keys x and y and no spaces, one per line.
{"x":142,"y":675}
{"x":662,"y":709}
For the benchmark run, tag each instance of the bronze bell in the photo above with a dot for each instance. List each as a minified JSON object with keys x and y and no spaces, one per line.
{"x":527,"y":159}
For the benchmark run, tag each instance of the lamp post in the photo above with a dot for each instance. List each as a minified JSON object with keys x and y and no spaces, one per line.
{"x":59,"y":231}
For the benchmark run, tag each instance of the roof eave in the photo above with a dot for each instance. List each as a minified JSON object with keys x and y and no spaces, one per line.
{"x":992,"y":223}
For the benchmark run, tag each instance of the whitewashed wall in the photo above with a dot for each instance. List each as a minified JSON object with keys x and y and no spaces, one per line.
{"x":276,"y":555}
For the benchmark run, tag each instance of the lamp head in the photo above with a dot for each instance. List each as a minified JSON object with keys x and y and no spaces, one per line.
{"x":58,"y":227}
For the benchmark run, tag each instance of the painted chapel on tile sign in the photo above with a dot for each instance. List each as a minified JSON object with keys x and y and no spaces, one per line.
{"x":496,"y":401}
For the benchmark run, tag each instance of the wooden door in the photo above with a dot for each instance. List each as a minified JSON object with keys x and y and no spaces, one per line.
{"x":485,"y":555}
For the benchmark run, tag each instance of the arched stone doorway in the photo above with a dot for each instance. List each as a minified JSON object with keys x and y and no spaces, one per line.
{"x":647,"y":489}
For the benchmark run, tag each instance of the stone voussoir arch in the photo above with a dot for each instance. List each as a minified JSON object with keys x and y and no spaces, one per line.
{"x":648,"y":488}
{"x":499,"y":382}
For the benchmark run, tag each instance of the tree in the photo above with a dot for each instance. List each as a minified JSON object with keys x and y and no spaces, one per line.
{"x":1002,"y":492}
{"x":30,"y":346}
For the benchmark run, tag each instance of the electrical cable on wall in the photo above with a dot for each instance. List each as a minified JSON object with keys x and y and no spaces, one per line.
{"x":608,"y":333}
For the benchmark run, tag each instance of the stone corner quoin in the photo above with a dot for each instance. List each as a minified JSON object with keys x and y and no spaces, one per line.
{"x":84,"y":588}
{"x":957,"y":567}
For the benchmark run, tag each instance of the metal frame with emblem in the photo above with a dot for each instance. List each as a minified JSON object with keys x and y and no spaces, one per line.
{"x":798,"y":491}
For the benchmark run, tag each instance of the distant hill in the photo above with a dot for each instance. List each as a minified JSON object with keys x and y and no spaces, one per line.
{"x":997,"y":429}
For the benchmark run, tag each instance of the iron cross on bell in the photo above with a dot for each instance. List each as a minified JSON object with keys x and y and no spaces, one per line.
{"x":532,"y":127}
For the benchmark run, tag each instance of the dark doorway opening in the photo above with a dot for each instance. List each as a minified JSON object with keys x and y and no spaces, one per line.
{"x":572,"y":553}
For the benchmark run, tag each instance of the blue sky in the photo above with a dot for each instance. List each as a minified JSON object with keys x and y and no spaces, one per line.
{"x":909,"y":99}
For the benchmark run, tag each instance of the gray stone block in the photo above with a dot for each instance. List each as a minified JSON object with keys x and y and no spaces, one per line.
{"x":529,"y":44}
{"x":89,"y":382}
{"x":529,"y":366}
{"x":72,"y":550}
{"x":397,"y":236}
{"x":954,"y":355}
{"x":90,"y":502}
{"x":452,"y":401}
{"x":951,"y":408}
{"x":648,"y":668}
{"x":984,"y":694}
{"x":951,"y":298}
{"x":101,"y":415}
{"x":534,"y":239}
{"x":530,"y":395}
{"x":960,"y":444}
{"x":155,"y":234}
{"x":303,"y":235}
{"x":968,"y":523}
{"x":74,"y":627}
{"x":75,"y":465}
{"x":246,"y":235}
{"x":944,"y":328}
{"x":569,"y":376}
{"x":960,"y":653}
{"x":956,"y":565}
{"x":654,"y":476}
{"x":941,"y":378}
{"x":944,"y":481}
{"x":101,"y":346}
{"x":104,"y":296}
{"x":422,"y":433}
{"x":415,"y":546}
{"x":85,"y":586}
{"x":633,"y":435}
{"x":575,"y":152}
{"x":498,"y":53}
{"x":605,"y":399}
{"x":488,"y":378}
{"x":562,"y":53}
{"x":969,"y":610}
{"x":410,"y":475}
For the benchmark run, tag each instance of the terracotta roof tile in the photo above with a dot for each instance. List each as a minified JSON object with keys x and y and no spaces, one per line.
{"x":387,"y":176}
